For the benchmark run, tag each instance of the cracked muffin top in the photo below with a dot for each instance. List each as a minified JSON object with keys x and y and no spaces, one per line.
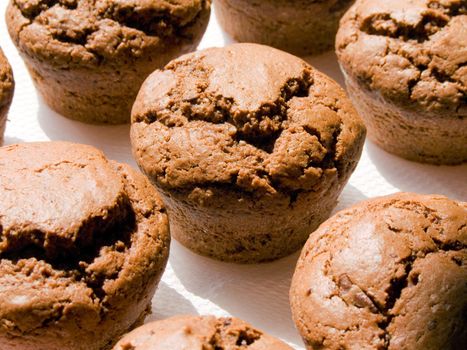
{"x":245,"y":115}
{"x":7,"y":83}
{"x":80,"y":237}
{"x":412,"y":52}
{"x":389,"y":273}
{"x":88,"y":32}
{"x":199,"y":333}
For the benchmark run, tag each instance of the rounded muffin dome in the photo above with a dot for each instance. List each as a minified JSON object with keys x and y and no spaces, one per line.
{"x":83,"y":244}
{"x":405,"y":69}
{"x":199,"y":332}
{"x":70,"y":33}
{"x":249,"y":146}
{"x":248,"y":115}
{"x":411,"y":52}
{"x":388,"y":273}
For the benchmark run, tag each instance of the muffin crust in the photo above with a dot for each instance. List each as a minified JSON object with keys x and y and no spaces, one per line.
{"x":405,"y":68}
{"x":84,"y":242}
{"x":406,"y":45}
{"x":244,"y":142}
{"x":86,"y":32}
{"x":274,"y":126}
{"x":388,"y":273}
{"x":199,"y":333}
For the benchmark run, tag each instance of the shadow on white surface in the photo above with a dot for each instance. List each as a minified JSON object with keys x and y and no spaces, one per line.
{"x":214,"y":36}
{"x":114,"y":140}
{"x":349,"y":196}
{"x":8,"y":140}
{"x":165,"y":298}
{"x":227,"y":39}
{"x":258,"y":294}
{"x":410,"y":176}
{"x":327,"y":63}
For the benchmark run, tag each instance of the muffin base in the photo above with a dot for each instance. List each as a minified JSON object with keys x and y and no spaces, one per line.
{"x":234,"y":227}
{"x":312,"y":30}
{"x":97,"y":95}
{"x":407,"y":134}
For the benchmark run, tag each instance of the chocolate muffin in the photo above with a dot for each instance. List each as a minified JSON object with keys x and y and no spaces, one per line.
{"x":388,"y":273}
{"x":199,"y":332}
{"x":405,"y":68}
{"x":7,"y":86}
{"x":88,"y":58}
{"x":83,"y":244}
{"x":249,"y":147}
{"x":302,"y":27}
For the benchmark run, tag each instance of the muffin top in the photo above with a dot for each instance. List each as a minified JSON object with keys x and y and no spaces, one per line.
{"x":247,"y":116}
{"x":199,"y":333}
{"x":77,"y":234}
{"x":88,"y":32}
{"x":389,"y":273}
{"x":7,"y":83}
{"x":412,"y":52}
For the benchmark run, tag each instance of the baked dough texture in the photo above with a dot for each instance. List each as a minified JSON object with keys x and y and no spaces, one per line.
{"x":88,"y":58}
{"x":7,"y":87}
{"x":83,"y":244}
{"x":405,"y":64}
{"x":249,"y":146}
{"x":199,"y":333}
{"x":388,"y":273}
{"x":302,"y":27}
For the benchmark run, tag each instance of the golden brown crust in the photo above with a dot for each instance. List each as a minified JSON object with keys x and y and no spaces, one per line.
{"x":199,"y":333}
{"x":246,"y":116}
{"x":84,"y":242}
{"x":388,"y":273}
{"x":411,"y":52}
{"x":405,"y":66}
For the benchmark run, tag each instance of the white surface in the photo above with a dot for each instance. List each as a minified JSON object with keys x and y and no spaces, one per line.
{"x":196,"y":285}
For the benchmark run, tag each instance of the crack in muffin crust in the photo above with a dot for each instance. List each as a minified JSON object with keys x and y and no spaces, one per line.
{"x":130,"y":27}
{"x":407,"y":47}
{"x":200,"y":332}
{"x":268,"y":121}
{"x":88,"y":58}
{"x":72,"y":260}
{"x":297,"y":120}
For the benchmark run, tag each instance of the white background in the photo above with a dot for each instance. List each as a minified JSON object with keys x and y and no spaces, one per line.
{"x":196,"y":285}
